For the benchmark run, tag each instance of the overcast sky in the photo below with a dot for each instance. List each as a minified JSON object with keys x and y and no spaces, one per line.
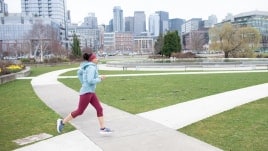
{"x":184,"y":9}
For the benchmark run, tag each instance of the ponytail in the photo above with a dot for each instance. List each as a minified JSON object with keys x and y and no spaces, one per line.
{"x":86,"y":56}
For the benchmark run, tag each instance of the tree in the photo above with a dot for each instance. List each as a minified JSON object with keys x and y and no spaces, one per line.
{"x":197,"y":40}
{"x":179,"y":40}
{"x":42,"y":37}
{"x":234,"y":40}
{"x":171,"y":43}
{"x":54,"y":45}
{"x":159,"y":44}
{"x":76,"y":50}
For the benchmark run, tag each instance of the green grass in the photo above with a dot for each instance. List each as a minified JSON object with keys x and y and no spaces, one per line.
{"x":144,"y":93}
{"x":23,"y":114}
{"x":111,"y":72}
{"x":40,"y":69}
{"x":244,"y":128}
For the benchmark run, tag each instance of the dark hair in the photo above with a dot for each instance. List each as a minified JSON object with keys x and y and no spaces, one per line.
{"x":86,"y":56}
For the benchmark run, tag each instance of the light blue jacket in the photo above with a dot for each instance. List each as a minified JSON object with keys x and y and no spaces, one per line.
{"x":88,"y":76}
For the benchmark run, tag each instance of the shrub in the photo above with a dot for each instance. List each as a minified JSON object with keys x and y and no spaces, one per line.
{"x":55,"y":60}
{"x":184,"y":55}
{"x":28,"y":60}
{"x":7,"y":67}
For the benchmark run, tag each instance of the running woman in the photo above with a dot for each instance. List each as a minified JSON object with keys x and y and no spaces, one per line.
{"x":89,"y":77}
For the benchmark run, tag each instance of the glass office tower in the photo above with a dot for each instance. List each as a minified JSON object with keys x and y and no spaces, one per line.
{"x":118,"y":20}
{"x":54,"y":9}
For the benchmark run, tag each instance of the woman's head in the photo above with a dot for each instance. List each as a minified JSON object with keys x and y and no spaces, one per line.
{"x":90,"y":57}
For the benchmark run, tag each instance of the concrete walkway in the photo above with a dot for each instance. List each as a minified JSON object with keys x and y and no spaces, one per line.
{"x":186,"y":113}
{"x":144,"y":132}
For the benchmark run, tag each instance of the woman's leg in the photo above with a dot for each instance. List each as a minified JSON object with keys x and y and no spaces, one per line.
{"x":101,"y":122}
{"x":83,"y":103}
{"x":67,"y":118}
{"x":96,"y":104}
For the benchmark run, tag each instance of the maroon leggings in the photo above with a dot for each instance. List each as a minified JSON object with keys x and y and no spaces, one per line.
{"x":85,"y":99}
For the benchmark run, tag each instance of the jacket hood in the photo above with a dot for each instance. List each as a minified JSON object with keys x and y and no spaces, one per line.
{"x":85,"y":64}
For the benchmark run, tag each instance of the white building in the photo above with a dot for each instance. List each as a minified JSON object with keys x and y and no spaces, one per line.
{"x":54,"y":9}
{"x":118,"y":19}
{"x":154,"y":25}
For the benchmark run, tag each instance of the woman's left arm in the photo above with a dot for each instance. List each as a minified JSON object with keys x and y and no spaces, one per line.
{"x":92,"y":78}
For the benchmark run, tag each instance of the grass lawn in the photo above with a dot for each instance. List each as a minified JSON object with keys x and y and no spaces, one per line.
{"x":40,"y":69}
{"x":111,"y":72}
{"x":145,"y":93}
{"x":244,"y":128}
{"x":23,"y":114}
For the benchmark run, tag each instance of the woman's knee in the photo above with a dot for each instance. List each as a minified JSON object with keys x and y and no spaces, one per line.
{"x":76,"y":113}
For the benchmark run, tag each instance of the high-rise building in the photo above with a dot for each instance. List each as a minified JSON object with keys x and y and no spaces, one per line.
{"x":54,"y":9}
{"x":3,"y":7}
{"x":164,"y":17}
{"x":129,"y":24}
{"x":139,"y":22}
{"x":175,"y":24}
{"x":118,"y":20}
{"x":212,"y":20}
{"x":191,"y":25}
{"x":90,"y":21}
{"x":154,"y":25}
{"x":109,"y":27}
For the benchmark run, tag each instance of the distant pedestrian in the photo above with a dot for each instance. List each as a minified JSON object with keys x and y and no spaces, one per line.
{"x":89,"y":77}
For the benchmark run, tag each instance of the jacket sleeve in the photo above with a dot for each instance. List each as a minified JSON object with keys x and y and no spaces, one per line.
{"x":80,"y":75}
{"x":92,"y":78}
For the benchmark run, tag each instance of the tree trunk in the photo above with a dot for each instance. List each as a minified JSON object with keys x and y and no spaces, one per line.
{"x":226,"y":54}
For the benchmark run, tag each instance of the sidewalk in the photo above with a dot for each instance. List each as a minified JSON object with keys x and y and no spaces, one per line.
{"x":193,"y":111}
{"x":132,"y":132}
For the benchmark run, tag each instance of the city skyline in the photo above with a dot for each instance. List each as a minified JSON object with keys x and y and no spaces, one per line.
{"x":188,"y":9}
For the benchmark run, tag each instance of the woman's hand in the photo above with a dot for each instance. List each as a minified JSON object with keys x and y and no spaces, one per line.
{"x":102,"y":77}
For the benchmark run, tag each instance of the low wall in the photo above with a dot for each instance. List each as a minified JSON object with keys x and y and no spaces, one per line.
{"x":13,"y":76}
{"x":7,"y":78}
{"x":24,"y":73}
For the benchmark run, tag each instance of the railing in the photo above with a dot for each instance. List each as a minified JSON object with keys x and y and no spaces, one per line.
{"x":195,"y":65}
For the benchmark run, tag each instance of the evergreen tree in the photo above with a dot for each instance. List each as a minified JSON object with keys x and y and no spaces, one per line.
{"x":171,"y":43}
{"x":76,"y":50}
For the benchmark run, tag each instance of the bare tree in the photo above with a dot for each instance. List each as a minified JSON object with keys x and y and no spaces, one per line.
{"x":26,"y":47}
{"x":159,"y":44}
{"x":1,"y":50}
{"x":54,"y":45}
{"x":43,"y":37}
{"x":197,"y":40}
{"x":39,"y":36}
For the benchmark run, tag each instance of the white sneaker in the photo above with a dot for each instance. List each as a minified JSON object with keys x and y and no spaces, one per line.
{"x":60,"y":125}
